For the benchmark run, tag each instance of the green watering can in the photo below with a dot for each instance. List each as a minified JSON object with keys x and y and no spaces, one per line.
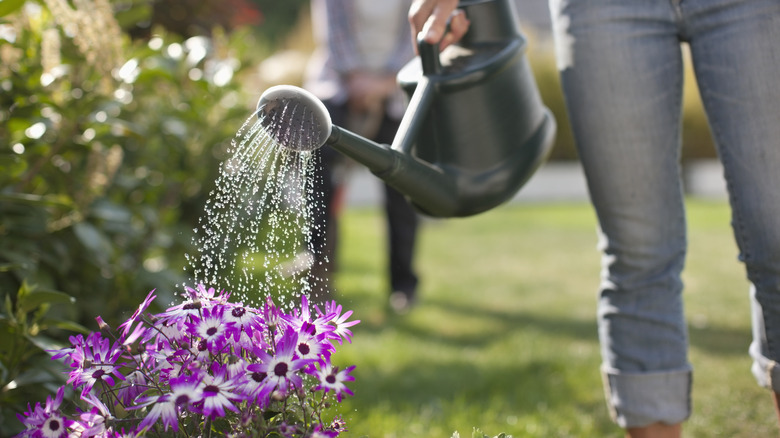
{"x":474,"y":132}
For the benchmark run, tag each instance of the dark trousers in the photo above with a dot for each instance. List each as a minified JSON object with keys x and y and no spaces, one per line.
{"x":402,"y":219}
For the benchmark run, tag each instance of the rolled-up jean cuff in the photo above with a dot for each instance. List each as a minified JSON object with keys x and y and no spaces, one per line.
{"x":640,"y":399}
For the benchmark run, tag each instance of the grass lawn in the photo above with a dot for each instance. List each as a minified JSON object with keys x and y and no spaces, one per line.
{"x":504,"y":336}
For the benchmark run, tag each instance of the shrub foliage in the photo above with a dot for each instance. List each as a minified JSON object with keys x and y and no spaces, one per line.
{"x":110,"y":148}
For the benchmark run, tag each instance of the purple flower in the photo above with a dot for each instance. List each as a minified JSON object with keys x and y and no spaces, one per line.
{"x":271,"y":314}
{"x":127,"y":325}
{"x":313,"y":347}
{"x":209,"y":329}
{"x":93,"y":422}
{"x":319,"y":432}
{"x":218,"y":395}
{"x":256,"y":388}
{"x":135,"y":384}
{"x":280,"y":369}
{"x":303,"y":322}
{"x":332,"y":379}
{"x":179,"y":315}
{"x":242,"y":323}
{"x":94,"y":361}
{"x":203,"y":294}
{"x":186,"y":391}
{"x":46,"y":422}
{"x":339,"y":321}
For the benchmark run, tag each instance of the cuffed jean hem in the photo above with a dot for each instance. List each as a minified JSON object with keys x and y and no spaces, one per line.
{"x":641,"y":399}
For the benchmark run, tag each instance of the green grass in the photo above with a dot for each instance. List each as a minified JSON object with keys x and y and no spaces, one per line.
{"x":504,"y":336}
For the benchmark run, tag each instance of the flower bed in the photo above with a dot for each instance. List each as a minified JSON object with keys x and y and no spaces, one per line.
{"x":201,"y":368}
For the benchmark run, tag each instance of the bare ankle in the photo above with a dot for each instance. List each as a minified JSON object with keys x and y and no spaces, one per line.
{"x":655,"y":430}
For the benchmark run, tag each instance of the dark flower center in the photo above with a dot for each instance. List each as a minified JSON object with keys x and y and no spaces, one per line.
{"x":238,"y":312}
{"x":303,"y":349}
{"x":331,"y":379}
{"x":54,"y":425}
{"x":309,"y":328}
{"x":280,"y":369}
{"x":192,"y":306}
{"x":202,"y":346}
{"x":98,"y":374}
{"x":211,"y":331}
{"x":211,"y":389}
{"x":259,"y":377}
{"x":182,"y":400}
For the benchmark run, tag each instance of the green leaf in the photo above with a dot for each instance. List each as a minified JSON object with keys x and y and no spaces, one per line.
{"x":9,"y":309}
{"x":65,"y":325}
{"x":45,"y":200}
{"x":44,"y":343}
{"x":9,"y":6}
{"x":3,"y":373}
{"x":34,"y":376}
{"x":93,"y":239}
{"x":31,"y":298}
{"x":136,"y":14}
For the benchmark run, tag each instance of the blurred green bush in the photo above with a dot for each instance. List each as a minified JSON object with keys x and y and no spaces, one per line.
{"x":110,"y":147}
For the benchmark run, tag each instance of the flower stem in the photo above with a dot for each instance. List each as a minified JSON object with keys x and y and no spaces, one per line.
{"x":208,"y":427}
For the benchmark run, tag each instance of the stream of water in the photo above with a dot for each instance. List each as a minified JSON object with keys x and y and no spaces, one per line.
{"x":253,"y":238}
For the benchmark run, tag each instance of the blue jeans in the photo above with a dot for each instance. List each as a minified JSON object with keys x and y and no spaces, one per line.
{"x":622,"y":71}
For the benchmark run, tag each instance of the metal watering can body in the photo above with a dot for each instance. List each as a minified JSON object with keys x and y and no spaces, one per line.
{"x":475,"y":129}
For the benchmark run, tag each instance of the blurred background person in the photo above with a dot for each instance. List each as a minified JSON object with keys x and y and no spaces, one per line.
{"x":361,"y":46}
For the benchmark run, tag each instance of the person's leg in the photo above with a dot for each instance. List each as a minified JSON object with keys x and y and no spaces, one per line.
{"x":621,"y":71}
{"x":402,"y":222}
{"x":402,"y":226}
{"x":322,"y":237}
{"x":735,"y":46}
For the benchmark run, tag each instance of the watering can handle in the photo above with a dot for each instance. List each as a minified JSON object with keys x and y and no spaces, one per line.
{"x":421,"y":99}
{"x":429,"y":56}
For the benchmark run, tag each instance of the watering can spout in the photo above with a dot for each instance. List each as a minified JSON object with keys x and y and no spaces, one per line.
{"x":297,"y":120}
{"x":474,"y":132}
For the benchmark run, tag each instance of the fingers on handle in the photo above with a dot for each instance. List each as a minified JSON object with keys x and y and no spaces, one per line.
{"x":459,"y":25}
{"x":429,"y":19}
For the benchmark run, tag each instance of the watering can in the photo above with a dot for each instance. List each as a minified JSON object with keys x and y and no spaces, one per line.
{"x":474,"y":132}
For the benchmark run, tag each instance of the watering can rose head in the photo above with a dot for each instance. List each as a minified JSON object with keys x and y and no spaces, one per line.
{"x":294,"y":117}
{"x":202,"y":362}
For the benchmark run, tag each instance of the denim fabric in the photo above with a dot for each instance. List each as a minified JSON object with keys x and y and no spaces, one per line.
{"x":621,"y":67}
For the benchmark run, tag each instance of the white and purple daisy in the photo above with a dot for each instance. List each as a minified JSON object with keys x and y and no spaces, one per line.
{"x":211,"y":329}
{"x":127,"y":325}
{"x":339,"y":321}
{"x":281,"y":368}
{"x":97,"y":362}
{"x":303,"y":322}
{"x":242,"y":323}
{"x":219,"y":393}
{"x":331,"y":379}
{"x":46,"y":421}
{"x":186,"y":392}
